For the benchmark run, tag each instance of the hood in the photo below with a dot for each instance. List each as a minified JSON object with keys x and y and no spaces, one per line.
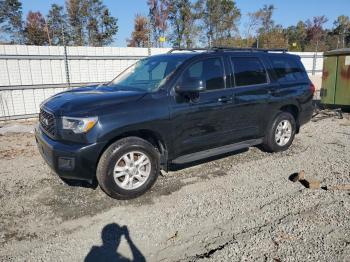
{"x":85,"y":100}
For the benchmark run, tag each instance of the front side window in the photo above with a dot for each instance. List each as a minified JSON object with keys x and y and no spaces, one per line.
{"x":147,"y":74}
{"x":210,"y":71}
{"x":248,"y":71}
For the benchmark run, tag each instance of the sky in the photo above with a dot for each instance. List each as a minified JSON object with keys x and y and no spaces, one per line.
{"x":288,"y":12}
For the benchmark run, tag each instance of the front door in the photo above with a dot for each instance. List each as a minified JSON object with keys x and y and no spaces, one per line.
{"x":202,"y":121}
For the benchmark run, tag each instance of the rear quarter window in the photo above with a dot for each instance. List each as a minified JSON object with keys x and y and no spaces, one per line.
{"x":287,"y":69}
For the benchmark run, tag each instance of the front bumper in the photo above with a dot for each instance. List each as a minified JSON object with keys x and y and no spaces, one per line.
{"x":69,"y":160}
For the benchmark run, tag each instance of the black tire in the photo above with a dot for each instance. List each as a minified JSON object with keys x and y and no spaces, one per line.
{"x":109,"y":158}
{"x":270,"y":144}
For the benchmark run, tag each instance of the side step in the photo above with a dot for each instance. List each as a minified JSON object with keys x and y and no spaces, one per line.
{"x":216,"y":151}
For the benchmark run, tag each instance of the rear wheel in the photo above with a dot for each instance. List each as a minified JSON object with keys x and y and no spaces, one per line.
{"x":128,"y":168}
{"x":281,"y":133}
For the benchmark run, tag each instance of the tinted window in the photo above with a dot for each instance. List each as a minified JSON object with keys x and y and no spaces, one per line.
{"x":287,"y":69}
{"x":248,"y":71}
{"x":209,"y":70}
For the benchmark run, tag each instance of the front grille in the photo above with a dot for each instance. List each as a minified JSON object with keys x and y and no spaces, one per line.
{"x":47,"y":122}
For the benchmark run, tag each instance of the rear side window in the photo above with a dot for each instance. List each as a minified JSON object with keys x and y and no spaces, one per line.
{"x":248,"y":71}
{"x":287,"y":69}
{"x":209,"y":70}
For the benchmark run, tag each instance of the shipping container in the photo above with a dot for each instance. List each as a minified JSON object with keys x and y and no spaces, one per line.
{"x":335,"y":89}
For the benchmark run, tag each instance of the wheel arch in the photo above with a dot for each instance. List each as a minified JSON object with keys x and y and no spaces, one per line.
{"x":294,"y":111}
{"x":151,"y":136}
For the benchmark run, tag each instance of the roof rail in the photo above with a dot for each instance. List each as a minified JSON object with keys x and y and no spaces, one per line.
{"x":222,"y":49}
{"x":251,"y":49}
{"x":188,"y":49}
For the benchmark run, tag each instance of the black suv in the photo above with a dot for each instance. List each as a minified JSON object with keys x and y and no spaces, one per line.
{"x":174,"y":108}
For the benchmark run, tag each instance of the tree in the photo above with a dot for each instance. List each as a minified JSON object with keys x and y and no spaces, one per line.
{"x":34,"y":31}
{"x":82,"y":22}
{"x":77,"y":16}
{"x":94,"y":10}
{"x":11,"y":24}
{"x":274,"y":38}
{"x":228,"y":26}
{"x":332,"y":40}
{"x":139,"y":37}
{"x":296,"y":36}
{"x":101,"y":26}
{"x":182,"y":17}
{"x":158,"y":13}
{"x":109,"y":27}
{"x":90,"y":22}
{"x":57,"y":24}
{"x":220,"y":19}
{"x":262,"y":27}
{"x":263,"y":24}
{"x":315,"y":33}
{"x":342,"y":30}
{"x":265,"y":16}
{"x":252,"y":29}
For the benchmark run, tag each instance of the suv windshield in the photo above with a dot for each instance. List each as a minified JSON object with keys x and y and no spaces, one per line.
{"x":148,"y":74}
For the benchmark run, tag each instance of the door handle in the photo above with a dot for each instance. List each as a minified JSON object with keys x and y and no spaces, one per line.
{"x":224,"y":99}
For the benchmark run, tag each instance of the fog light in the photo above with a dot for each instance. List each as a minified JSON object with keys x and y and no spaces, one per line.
{"x":66,"y":163}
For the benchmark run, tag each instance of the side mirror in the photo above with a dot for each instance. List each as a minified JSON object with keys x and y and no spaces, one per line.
{"x":190,"y":86}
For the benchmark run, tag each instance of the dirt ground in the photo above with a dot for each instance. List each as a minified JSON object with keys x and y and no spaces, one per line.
{"x":241,"y":206}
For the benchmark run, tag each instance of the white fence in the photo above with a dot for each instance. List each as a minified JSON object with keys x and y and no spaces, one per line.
{"x":30,"y":74}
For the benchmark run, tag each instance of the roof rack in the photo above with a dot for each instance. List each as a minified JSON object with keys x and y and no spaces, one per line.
{"x":188,"y":49}
{"x":222,"y":49}
{"x":250,"y":49}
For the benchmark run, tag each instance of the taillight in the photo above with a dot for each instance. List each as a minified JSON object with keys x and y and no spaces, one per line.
{"x":312,"y":88}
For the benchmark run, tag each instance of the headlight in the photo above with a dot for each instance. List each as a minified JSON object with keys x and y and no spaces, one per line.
{"x":78,"y":125}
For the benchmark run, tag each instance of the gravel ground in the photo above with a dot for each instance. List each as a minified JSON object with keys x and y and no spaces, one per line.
{"x":238,"y":207}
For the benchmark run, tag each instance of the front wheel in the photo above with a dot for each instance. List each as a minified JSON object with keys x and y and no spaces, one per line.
{"x":281,"y":133}
{"x":128,"y":168}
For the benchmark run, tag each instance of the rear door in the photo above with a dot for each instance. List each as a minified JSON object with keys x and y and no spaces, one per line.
{"x":250,"y":95}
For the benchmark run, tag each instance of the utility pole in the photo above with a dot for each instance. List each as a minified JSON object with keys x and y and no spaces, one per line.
{"x":47,"y":32}
{"x":149,"y":43}
{"x":66,"y":58}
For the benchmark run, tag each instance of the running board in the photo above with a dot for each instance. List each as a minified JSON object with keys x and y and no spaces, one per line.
{"x":216,"y":151}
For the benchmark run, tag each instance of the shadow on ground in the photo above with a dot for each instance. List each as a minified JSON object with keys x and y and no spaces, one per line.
{"x":111,"y":236}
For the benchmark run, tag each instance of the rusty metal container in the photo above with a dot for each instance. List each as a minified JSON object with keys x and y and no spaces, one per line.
{"x":336,"y":78}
